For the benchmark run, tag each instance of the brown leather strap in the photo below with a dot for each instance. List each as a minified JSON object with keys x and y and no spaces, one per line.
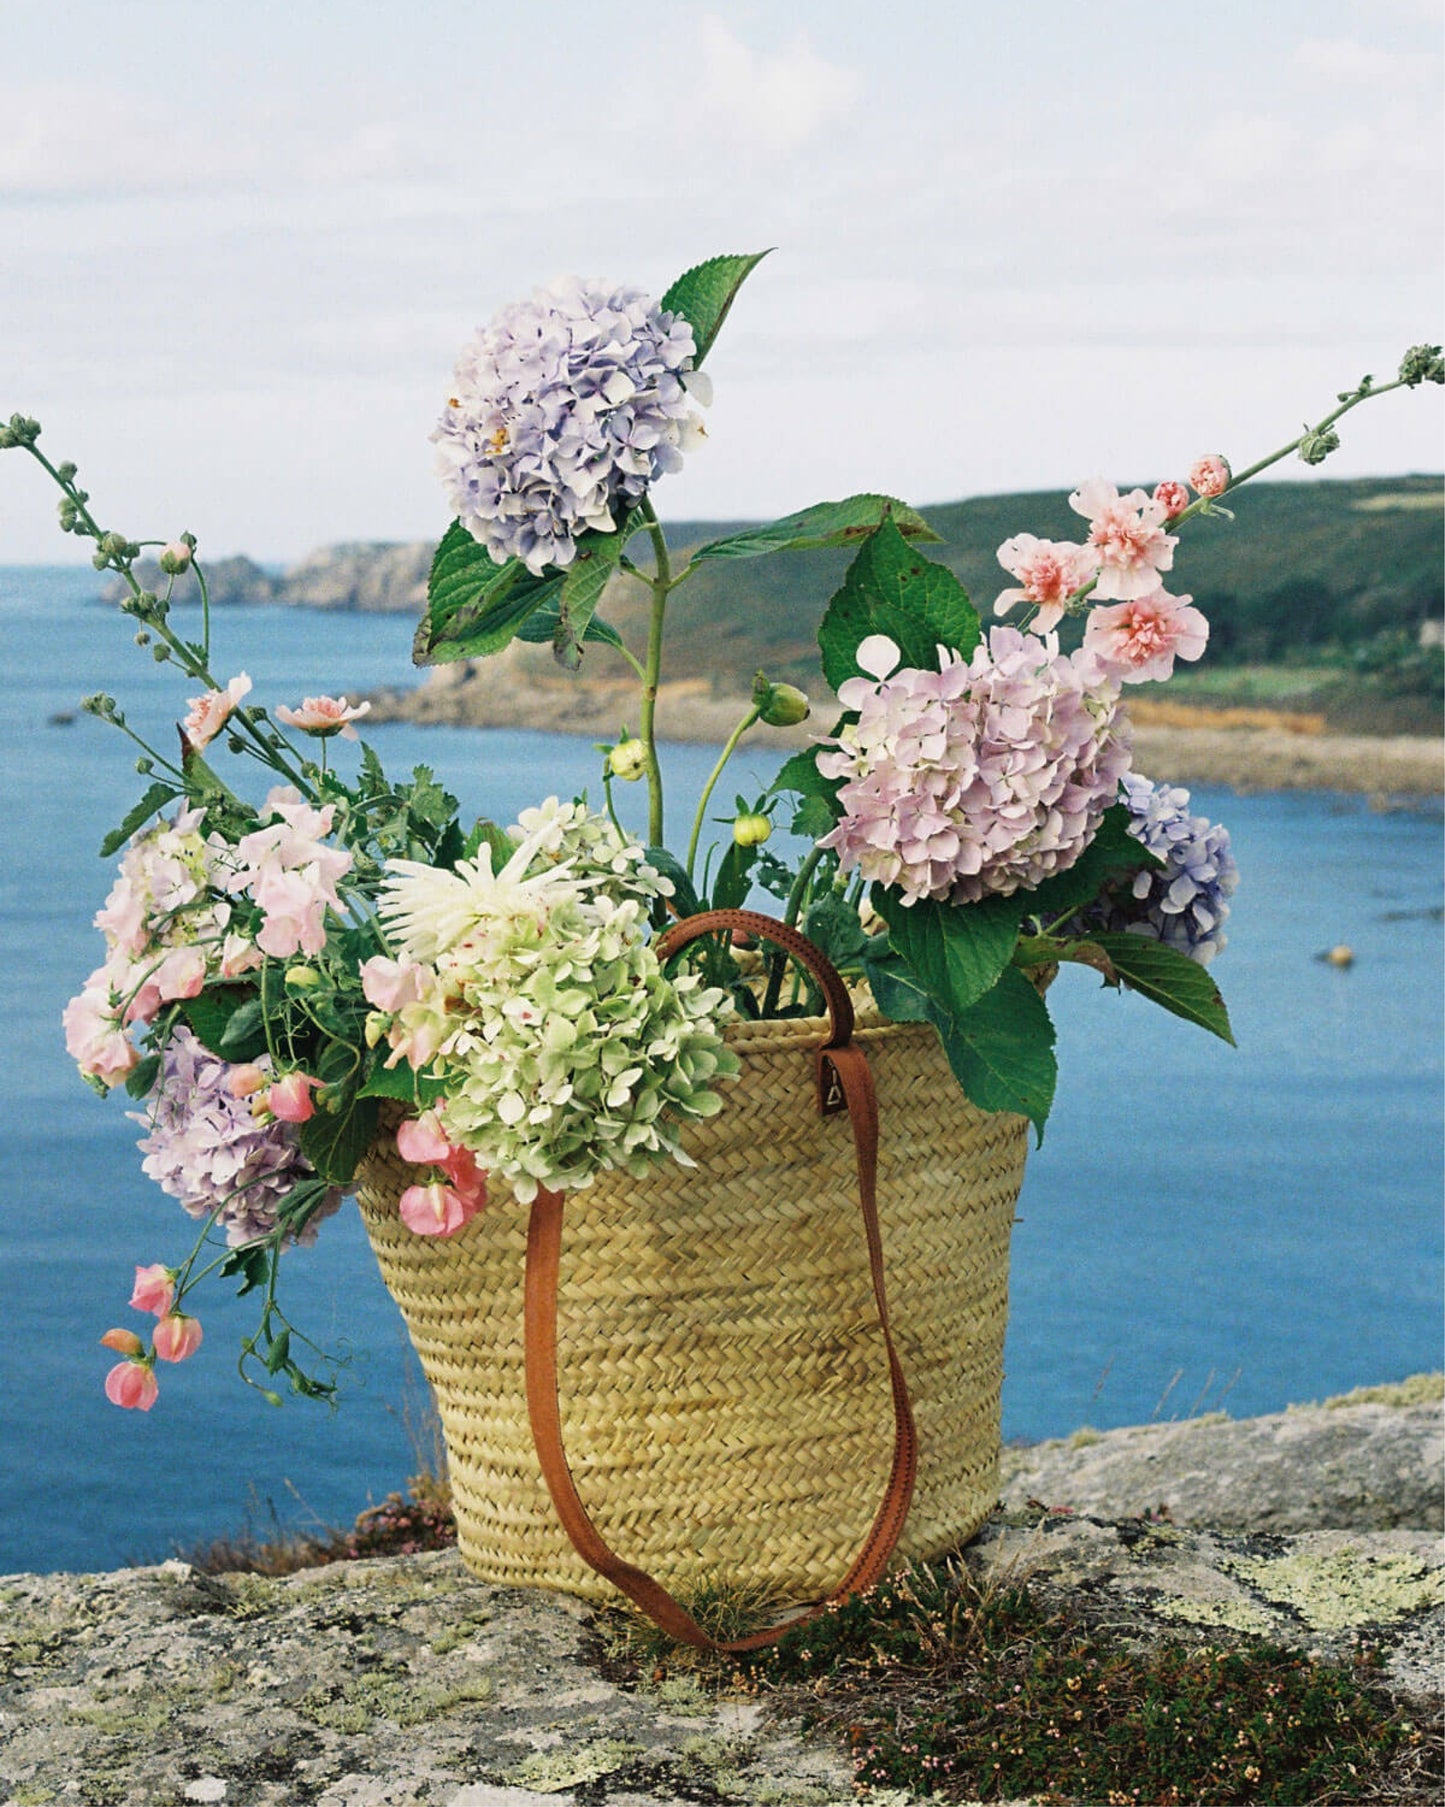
{"x":843,"y":1072}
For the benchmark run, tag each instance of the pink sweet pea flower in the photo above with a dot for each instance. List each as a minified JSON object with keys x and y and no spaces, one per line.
{"x":324,"y":716}
{"x":93,"y":1035}
{"x":422,"y":1141}
{"x":1173,"y":497}
{"x":1127,"y":533}
{"x":177,"y":1336}
{"x":179,"y":974}
{"x":1049,"y":573}
{"x":209,"y":713}
{"x":1139,"y":640}
{"x":1210,"y":475}
{"x":392,"y":984}
{"x":289,"y":1099}
{"x":247,"y":1079}
{"x":155,"y":1287}
{"x":124,"y":1342}
{"x":133,"y":1385}
{"x":435,"y":1210}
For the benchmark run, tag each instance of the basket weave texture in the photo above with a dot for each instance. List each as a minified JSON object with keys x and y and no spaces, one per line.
{"x":725,"y":1395}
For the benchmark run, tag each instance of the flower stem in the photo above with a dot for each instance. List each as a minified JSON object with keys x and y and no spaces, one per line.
{"x":661,"y":584}
{"x":716,"y":773}
{"x":779,"y":961}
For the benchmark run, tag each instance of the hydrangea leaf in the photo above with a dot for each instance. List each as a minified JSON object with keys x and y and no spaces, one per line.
{"x":957,"y":951}
{"x":582,"y":586}
{"x":1113,"y":854}
{"x":156,"y":797}
{"x":209,"y":1013}
{"x":541,"y":629}
{"x":825,"y":524}
{"x":890,"y":588}
{"x":1169,"y":978}
{"x":703,"y":295}
{"x":800,"y":773}
{"x":1001,"y":1049}
{"x":475,"y":607}
{"x":403,"y":1083}
{"x":898,"y":991}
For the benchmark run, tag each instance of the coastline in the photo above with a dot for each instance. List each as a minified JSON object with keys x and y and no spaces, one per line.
{"x":1387,"y":768}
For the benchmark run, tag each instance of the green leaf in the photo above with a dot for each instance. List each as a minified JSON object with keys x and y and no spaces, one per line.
{"x":800,"y":773}
{"x":832,"y":926}
{"x":734,"y":877}
{"x":1001,"y":1049}
{"x":253,"y":1266}
{"x":209,"y":1013}
{"x":156,"y":797}
{"x":141,"y":1078}
{"x":586,"y":578}
{"x":541,"y":629}
{"x":488,"y":833}
{"x":703,"y":295}
{"x":890,"y":588}
{"x":334,"y":1144}
{"x":403,"y":1083}
{"x":898,"y":991}
{"x":244,"y":1036}
{"x":279,"y":1353}
{"x":1169,"y":978}
{"x":1111,"y":856}
{"x":813,"y":818}
{"x":475,"y":607}
{"x":683,"y":893}
{"x":824,"y":524}
{"x":956,"y":950}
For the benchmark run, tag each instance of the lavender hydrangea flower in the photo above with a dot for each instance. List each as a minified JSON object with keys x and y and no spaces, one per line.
{"x":206,"y":1149}
{"x":1184,"y":905}
{"x":563,"y":410}
{"x":987,"y":776}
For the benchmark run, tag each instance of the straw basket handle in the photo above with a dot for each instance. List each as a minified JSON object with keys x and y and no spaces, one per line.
{"x":845,"y":1082}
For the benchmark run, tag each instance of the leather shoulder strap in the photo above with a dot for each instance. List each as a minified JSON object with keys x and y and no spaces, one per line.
{"x":845,"y":1081}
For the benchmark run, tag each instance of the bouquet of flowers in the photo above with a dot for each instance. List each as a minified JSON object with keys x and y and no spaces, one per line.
{"x":279,"y":972}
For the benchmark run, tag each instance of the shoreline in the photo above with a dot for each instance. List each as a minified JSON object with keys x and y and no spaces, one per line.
{"x":1389,"y":769}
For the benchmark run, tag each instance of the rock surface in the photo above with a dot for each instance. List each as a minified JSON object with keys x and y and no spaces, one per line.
{"x":1373,"y":1461}
{"x":407,"y":1683}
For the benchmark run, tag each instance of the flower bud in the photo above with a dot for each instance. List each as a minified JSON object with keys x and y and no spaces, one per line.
{"x":155,"y":1287}
{"x":124,"y":1342}
{"x":177,"y":1336}
{"x":175,"y":558}
{"x":289,"y":1099}
{"x":751,"y":829}
{"x":1422,"y":364}
{"x":302,"y":978}
{"x":779,"y":705}
{"x":1317,"y":445}
{"x":245,"y":1080}
{"x":1174,"y":496}
{"x":627,"y":760}
{"x":1210,"y":475}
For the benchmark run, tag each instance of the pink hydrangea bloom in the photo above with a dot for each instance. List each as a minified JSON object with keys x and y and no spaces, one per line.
{"x":324,"y":715}
{"x":210,"y":713}
{"x":1127,"y":533}
{"x":1210,"y":475}
{"x":986,"y":776}
{"x":1049,"y":572}
{"x":1140,"y":640}
{"x":1174,"y":498}
{"x":132,"y":1384}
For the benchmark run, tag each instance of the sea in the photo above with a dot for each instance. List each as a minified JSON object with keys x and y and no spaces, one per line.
{"x":1204,"y":1227}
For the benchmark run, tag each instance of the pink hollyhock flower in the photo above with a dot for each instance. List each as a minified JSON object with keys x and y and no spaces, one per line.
{"x":1127,"y":534}
{"x":392,"y":984}
{"x":1139,"y":640}
{"x":93,"y":1034}
{"x":209,"y":713}
{"x":155,"y":1287}
{"x":124,"y":1342}
{"x":1210,"y":475}
{"x":436,"y":1210}
{"x":324,"y":716}
{"x":289,"y":1099}
{"x":177,"y":1336}
{"x":133,"y":1385}
{"x":1173,"y":496}
{"x":245,"y":1080}
{"x":1049,"y":571}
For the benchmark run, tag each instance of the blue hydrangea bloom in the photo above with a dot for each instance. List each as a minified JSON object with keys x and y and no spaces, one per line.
{"x":1184,"y":905}
{"x":563,"y":410}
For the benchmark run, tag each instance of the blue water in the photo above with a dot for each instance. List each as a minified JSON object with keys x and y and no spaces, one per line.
{"x":1202,"y":1225}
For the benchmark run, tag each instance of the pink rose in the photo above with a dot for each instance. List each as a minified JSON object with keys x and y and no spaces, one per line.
{"x":1140,"y":640}
{"x":1127,"y":534}
{"x":289,"y":1099}
{"x":1173,"y":497}
{"x":155,"y":1287}
{"x":1210,"y":475}
{"x":133,"y":1385}
{"x":209,"y":713}
{"x":1049,"y":573}
{"x":177,"y":1336}
{"x":324,"y":716}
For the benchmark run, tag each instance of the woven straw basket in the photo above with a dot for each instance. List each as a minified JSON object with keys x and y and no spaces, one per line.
{"x":724,"y":1388}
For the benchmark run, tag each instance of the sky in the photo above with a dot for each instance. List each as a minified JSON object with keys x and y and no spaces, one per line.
{"x":1016,"y":246}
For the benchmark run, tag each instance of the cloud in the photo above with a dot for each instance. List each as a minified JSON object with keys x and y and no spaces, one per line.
{"x":768,"y":102}
{"x":1347,"y":62}
{"x":1247,"y":146}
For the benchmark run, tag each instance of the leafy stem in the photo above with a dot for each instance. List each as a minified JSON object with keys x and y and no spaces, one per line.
{"x":754,"y":711}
